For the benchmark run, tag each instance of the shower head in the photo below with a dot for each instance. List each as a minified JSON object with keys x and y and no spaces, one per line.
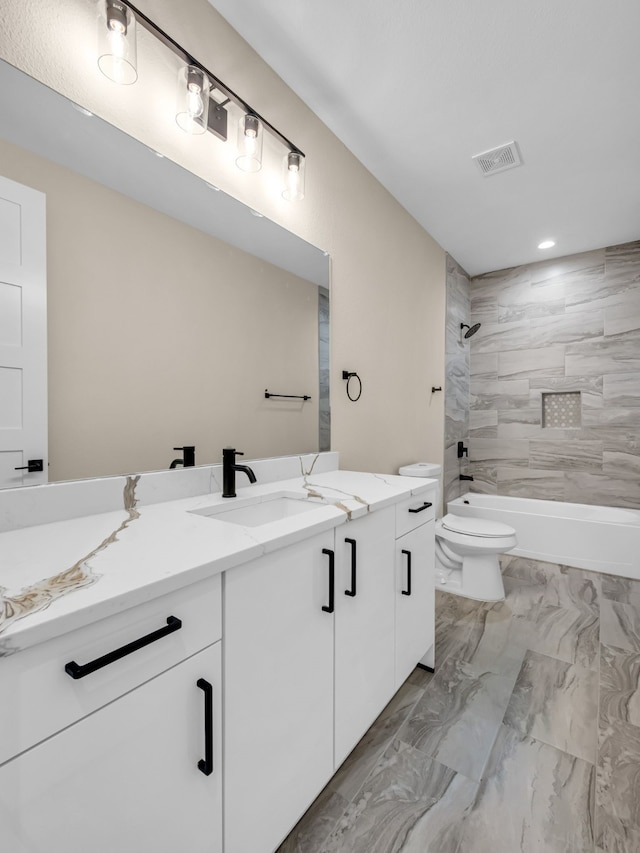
{"x":471,"y":330}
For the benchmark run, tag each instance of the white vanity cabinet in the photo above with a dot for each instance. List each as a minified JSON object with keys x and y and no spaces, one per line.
{"x":414,"y":585}
{"x":143,"y":770}
{"x":278,"y":700}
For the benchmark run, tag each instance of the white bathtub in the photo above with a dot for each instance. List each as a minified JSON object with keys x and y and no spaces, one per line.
{"x":601,"y":538}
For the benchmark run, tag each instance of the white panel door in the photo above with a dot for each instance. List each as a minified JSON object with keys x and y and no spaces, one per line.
{"x":23,"y":334}
{"x":126,"y":778}
{"x":365,"y":621}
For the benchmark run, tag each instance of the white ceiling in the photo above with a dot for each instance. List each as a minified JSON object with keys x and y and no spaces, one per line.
{"x":414,"y":88}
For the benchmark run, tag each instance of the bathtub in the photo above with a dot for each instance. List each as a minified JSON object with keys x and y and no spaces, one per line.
{"x":600,"y":538}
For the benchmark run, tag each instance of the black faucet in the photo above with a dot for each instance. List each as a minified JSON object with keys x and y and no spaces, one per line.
{"x":465,"y":477}
{"x":188,"y":457}
{"x":229,"y":469}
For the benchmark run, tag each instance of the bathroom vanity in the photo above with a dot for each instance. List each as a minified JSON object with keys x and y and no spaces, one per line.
{"x":141,"y":646}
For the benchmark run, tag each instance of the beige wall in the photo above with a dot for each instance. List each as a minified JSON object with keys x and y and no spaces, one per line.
{"x":143,"y":356}
{"x":388,"y":275}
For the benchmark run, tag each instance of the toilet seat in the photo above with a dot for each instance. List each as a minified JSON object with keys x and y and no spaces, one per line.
{"x":483,"y":527}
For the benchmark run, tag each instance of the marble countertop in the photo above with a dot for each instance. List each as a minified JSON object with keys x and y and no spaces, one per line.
{"x":61,"y":576}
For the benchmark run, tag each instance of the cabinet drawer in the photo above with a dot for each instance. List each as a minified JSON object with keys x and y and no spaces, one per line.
{"x":40,"y":698}
{"x":412,"y":512}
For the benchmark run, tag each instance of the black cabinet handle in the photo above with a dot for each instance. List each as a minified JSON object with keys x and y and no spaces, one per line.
{"x":76,"y":670}
{"x":205,"y":765}
{"x":352,"y":591}
{"x":425,"y":505}
{"x":332,"y":580}
{"x":407,"y":591}
{"x":33,"y":466}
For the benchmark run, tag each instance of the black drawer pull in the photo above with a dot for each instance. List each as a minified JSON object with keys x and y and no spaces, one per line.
{"x":332,"y":580}
{"x":76,"y":670}
{"x":352,"y":591}
{"x":205,"y":765}
{"x":425,"y":505}
{"x":407,"y":591}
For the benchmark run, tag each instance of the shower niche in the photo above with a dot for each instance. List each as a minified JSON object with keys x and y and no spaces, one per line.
{"x":562,"y":410}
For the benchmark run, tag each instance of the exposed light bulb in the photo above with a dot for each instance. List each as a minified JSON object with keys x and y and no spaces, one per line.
{"x":249,"y":157}
{"x":293,"y":176}
{"x":193,"y":100}
{"x":117,"y":42}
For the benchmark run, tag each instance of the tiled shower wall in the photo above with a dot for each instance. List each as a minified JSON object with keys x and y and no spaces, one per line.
{"x":456,"y":390}
{"x":566,"y":325}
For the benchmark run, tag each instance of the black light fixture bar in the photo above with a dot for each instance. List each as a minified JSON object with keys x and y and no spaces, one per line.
{"x":173,"y":45}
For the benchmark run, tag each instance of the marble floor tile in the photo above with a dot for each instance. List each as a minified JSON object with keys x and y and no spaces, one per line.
{"x":620,"y":685}
{"x":410,"y":804}
{"x":574,"y":588}
{"x":315,"y":825}
{"x":534,"y":799}
{"x":453,"y":639}
{"x":420,"y":678}
{"x":618,"y":784}
{"x":569,"y":634}
{"x":497,"y":643}
{"x":353,"y":772}
{"x":533,"y":571}
{"x":458,"y":717}
{"x":624,"y":590}
{"x":557,"y":703}
{"x":522,"y":599}
{"x":620,"y":625}
{"x":456,"y":607}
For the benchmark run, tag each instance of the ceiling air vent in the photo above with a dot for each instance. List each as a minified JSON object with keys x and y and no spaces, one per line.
{"x":498,"y":159}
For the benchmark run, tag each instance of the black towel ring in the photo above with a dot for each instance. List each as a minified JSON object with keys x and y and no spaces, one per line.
{"x":349,"y":376}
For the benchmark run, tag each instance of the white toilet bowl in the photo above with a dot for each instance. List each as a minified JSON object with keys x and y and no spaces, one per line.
{"x":467,"y":556}
{"x":467,"y":548}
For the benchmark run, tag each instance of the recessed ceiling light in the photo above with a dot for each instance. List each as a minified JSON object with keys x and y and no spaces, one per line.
{"x":546,"y":244}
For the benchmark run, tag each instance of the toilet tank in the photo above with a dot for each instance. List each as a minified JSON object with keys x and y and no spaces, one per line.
{"x":425,"y":469}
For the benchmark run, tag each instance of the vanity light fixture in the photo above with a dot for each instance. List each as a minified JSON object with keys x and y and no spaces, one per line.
{"x":193,"y":100}
{"x":547,"y":244}
{"x":249,"y":157}
{"x":293,"y":176}
{"x":198,"y":111}
{"x":117,"y":47}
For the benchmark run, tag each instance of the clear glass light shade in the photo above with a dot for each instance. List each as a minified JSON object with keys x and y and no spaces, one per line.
{"x":249,"y":157}
{"x":294,"y":168}
{"x":117,"y":49}
{"x":193,"y":100}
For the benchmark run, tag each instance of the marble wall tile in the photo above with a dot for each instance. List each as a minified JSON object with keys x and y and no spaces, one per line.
{"x":568,"y":328}
{"x":456,"y":425}
{"x":512,"y":452}
{"x":496,"y":337}
{"x":622,"y":390}
{"x":499,"y":394}
{"x":533,"y":798}
{"x":556,"y":702}
{"x":493,"y":282}
{"x":622,"y":265}
{"x":590,"y":388}
{"x":566,"y":456}
{"x":608,"y":355}
{"x":623,"y":318}
{"x":484,"y":308}
{"x":601,"y":490}
{"x":485,"y":479}
{"x":610,"y":416}
{"x":567,"y":267}
{"x":483,"y":423}
{"x":619,"y":685}
{"x":408,"y":796}
{"x":617,"y":781}
{"x":531,"y":483}
{"x":526,"y":363}
{"x":484,"y":366}
{"x":527,"y":302}
{"x":621,"y":464}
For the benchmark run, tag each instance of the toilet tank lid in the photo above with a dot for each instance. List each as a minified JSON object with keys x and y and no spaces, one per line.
{"x":421,"y":469}
{"x":476,"y":526}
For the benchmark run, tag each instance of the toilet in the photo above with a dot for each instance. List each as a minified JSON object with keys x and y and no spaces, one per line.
{"x":466,"y":548}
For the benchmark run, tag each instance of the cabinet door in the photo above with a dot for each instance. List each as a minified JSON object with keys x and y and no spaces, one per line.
{"x":125,"y":778}
{"x":364,"y":630}
{"x":415,"y":595}
{"x":278,"y":663}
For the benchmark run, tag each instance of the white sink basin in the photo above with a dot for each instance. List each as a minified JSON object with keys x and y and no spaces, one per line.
{"x":271,"y":509}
